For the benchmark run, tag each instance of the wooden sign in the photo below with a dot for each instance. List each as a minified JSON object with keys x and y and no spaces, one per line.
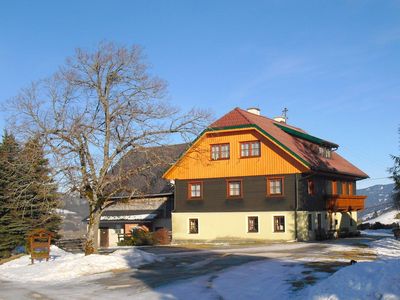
{"x":39,"y":242}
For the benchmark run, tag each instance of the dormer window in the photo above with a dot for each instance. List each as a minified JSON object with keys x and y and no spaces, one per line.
{"x":325,"y":152}
{"x":220,"y":151}
{"x":250,"y":149}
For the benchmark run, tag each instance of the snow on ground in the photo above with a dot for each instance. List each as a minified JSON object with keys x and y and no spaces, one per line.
{"x":364,"y":280}
{"x":63,"y":265}
{"x":377,"y":232}
{"x":272,"y":279}
{"x":268,"y":279}
{"x":385,"y":218}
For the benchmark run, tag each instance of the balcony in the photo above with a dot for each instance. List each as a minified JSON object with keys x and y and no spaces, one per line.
{"x":342,"y":203}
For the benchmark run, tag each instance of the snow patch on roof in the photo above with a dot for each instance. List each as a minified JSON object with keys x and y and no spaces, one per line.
{"x":141,"y":217}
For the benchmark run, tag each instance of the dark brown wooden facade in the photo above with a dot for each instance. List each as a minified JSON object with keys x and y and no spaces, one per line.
{"x":255,"y":196}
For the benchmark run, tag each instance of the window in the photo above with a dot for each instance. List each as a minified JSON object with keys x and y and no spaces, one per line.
{"x":275,"y":186}
{"x":334,"y":187}
{"x":345,"y":190}
{"x":309,"y":222}
{"x":195,"y":190}
{"x":252,"y":224}
{"x":234,"y":188}
{"x":351,"y":192}
{"x":310,"y":186}
{"x":279,"y":224}
{"x":250,"y":149}
{"x":220,"y":151}
{"x":193,"y":226}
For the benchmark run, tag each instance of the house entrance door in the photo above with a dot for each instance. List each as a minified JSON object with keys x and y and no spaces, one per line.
{"x":104,"y":241}
{"x":319,"y":221}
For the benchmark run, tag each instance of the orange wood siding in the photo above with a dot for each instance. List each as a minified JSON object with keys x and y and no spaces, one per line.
{"x":196,"y":163}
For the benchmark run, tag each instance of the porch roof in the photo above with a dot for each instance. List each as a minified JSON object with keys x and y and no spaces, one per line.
{"x":128,"y":217}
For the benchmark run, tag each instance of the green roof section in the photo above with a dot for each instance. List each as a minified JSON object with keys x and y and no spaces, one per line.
{"x":307,"y":137}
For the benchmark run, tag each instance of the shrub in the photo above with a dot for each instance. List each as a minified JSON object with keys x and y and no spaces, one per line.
{"x":126,"y":242}
{"x":139,"y":237}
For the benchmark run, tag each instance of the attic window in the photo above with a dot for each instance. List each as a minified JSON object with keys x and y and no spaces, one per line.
{"x":219,"y":151}
{"x":325,"y":152}
{"x":250,"y":149}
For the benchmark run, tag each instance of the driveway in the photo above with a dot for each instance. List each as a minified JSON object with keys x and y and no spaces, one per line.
{"x":180,"y":263}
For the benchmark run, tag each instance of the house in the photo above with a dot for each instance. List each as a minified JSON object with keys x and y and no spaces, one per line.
{"x":248,"y":177}
{"x":147,"y":199}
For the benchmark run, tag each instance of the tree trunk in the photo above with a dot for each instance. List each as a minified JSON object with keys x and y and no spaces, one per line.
{"x":92,"y":238}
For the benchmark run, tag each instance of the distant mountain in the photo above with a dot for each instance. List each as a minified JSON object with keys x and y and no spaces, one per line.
{"x":379,"y":200}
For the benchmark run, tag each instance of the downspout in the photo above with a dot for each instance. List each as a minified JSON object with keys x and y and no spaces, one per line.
{"x":296,"y":205}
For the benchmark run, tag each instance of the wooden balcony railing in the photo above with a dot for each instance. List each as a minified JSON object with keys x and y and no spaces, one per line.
{"x":343,"y":203}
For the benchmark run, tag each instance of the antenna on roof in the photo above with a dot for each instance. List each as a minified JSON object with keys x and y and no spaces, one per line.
{"x":283,"y":118}
{"x":284,"y":114}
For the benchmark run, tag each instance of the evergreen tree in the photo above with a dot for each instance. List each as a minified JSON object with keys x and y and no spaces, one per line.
{"x":41,"y":198}
{"x":28,"y":194}
{"x":11,"y":225}
{"x":395,"y":172}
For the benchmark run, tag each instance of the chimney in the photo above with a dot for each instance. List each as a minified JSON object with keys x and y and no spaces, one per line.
{"x":254,"y":110}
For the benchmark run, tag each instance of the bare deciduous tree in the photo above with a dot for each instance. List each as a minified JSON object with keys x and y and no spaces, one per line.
{"x":95,"y":109}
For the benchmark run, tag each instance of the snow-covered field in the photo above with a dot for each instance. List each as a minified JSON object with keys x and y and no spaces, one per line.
{"x":385,"y":218}
{"x":66,"y":266}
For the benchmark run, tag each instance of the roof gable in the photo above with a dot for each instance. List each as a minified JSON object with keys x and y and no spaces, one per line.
{"x":298,"y":143}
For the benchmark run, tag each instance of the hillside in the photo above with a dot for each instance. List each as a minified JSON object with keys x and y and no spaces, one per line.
{"x":379,"y":200}
{"x":388,"y":217}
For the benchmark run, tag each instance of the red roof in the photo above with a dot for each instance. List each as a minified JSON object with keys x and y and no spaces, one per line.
{"x":302,"y":148}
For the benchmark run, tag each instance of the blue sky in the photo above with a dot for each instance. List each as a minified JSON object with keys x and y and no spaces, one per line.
{"x":334,"y":64}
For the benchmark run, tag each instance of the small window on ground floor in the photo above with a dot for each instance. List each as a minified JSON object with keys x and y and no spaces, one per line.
{"x":194,"y":226}
{"x":279,"y":224}
{"x":252,"y":224}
